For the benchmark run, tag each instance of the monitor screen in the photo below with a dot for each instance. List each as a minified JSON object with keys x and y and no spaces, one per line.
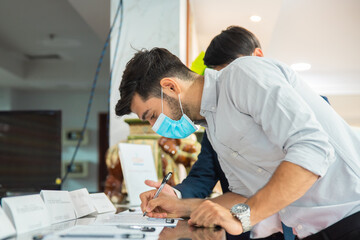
{"x":30,"y":151}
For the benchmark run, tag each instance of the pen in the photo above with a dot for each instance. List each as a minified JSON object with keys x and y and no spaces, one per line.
{"x":164,"y":181}
{"x":124,"y":236}
{"x":137,"y":227}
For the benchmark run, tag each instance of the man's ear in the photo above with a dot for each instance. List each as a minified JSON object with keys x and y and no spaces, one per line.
{"x":170,"y":87}
{"x":258,"y":52}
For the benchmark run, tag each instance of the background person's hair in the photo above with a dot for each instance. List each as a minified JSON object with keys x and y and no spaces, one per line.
{"x":143,"y":73}
{"x":230,"y":44}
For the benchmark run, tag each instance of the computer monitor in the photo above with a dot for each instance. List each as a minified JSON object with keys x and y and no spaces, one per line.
{"x":30,"y":151}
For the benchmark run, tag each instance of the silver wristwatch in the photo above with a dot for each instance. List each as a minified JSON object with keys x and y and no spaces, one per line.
{"x":242,"y":212}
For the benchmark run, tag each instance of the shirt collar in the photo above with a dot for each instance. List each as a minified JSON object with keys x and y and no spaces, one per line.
{"x":209,"y":96}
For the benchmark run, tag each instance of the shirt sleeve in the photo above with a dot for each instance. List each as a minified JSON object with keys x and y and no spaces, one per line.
{"x":203,"y":175}
{"x":178,"y":193}
{"x":267,"y":92}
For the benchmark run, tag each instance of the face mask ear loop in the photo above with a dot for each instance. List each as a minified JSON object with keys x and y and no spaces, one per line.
{"x":162,"y":101}
{"x":181,"y":105}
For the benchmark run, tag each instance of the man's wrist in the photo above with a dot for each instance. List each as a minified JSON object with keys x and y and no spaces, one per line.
{"x":241,"y":211}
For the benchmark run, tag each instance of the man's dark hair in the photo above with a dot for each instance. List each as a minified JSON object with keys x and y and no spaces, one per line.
{"x":143,"y":73}
{"x":230,"y":44}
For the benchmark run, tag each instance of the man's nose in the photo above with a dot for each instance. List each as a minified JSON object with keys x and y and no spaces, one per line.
{"x":152,"y":122}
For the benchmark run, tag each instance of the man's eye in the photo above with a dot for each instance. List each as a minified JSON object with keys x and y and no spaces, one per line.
{"x":152,"y":117}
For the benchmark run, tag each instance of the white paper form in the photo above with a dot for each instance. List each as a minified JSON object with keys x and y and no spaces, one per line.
{"x":137,"y":164}
{"x":82,"y":202}
{"x":59,"y":205}
{"x":102,"y":232}
{"x":88,"y":220}
{"x":102,"y":203}
{"x":26,"y":212}
{"x":6,"y":227}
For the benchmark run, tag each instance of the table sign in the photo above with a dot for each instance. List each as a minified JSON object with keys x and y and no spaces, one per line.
{"x":6,"y":227}
{"x":137,"y":164}
{"x":82,"y":202}
{"x":102,"y":203}
{"x":59,"y":205}
{"x":27,"y":213}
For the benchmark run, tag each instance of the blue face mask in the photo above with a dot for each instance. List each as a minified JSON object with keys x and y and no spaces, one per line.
{"x":169,"y":128}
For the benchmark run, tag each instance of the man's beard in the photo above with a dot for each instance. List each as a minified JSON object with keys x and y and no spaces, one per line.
{"x":174,"y":105}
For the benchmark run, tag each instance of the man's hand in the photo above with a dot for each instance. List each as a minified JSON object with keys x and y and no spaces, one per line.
{"x":147,"y":196}
{"x":210,"y":214}
{"x":167,"y":206}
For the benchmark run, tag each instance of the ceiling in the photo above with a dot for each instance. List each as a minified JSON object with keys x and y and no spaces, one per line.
{"x":324,"y":33}
{"x":70,"y":34}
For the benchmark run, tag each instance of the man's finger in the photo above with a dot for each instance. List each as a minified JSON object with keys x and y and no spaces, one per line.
{"x":159,"y":206}
{"x":151,"y":183}
{"x":145,"y":197}
{"x":153,"y":203}
{"x":157,"y":215}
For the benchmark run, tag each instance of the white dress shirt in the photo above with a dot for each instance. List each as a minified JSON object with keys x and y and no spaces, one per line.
{"x":259,"y":113}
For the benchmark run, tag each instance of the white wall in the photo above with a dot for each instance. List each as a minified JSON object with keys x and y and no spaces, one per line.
{"x":147,"y":24}
{"x":348,"y":107}
{"x":73,"y":105}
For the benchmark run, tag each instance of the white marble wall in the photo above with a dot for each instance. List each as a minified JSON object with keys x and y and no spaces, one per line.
{"x":146,"y":24}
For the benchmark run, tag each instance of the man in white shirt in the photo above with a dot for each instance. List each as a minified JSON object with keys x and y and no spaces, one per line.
{"x":285,"y":151}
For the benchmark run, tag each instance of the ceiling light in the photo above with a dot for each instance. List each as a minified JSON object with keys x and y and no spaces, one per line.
{"x":255,"y":18}
{"x":301,"y":66}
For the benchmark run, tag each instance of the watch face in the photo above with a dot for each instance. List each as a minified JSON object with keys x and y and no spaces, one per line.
{"x":239,"y":208}
{"x":242,"y":213}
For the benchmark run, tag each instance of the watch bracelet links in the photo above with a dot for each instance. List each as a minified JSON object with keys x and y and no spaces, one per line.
{"x":247,"y":223}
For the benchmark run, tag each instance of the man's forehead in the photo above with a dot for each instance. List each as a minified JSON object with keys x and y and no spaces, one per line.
{"x":139,"y":106}
{"x":136,"y":103}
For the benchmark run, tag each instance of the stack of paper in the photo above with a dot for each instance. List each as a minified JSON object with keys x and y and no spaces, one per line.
{"x":28,"y":213}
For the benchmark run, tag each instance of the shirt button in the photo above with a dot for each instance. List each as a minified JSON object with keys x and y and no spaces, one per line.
{"x":299,"y":227}
{"x":259,"y":170}
{"x":283,"y":211}
{"x":234,"y":154}
{"x":212,"y":108}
